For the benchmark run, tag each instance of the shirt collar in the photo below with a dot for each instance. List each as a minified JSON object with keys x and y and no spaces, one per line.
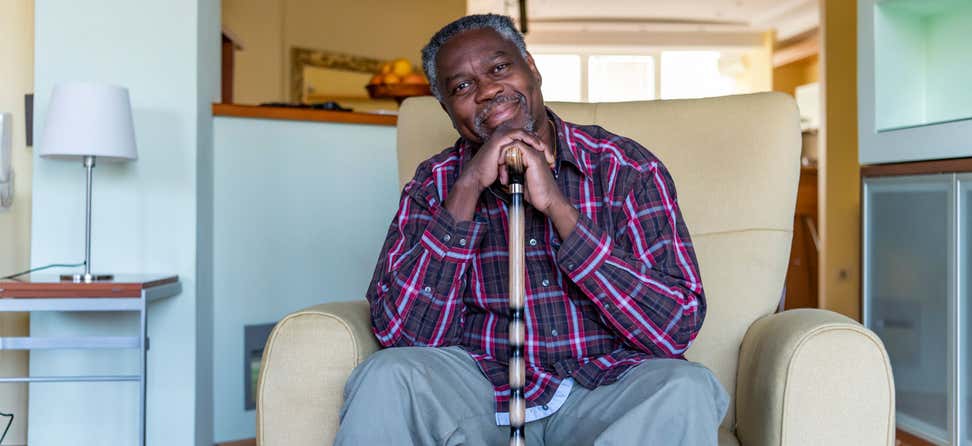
{"x":567,"y":148}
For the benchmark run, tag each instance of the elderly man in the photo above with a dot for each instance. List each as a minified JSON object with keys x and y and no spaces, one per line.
{"x":613,"y":293}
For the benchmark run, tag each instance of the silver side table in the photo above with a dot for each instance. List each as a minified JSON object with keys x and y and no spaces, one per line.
{"x":131,"y":293}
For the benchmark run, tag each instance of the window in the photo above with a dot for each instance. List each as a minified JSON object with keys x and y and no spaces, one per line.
{"x":604,"y":77}
{"x":694,"y":74}
{"x":561,"y":76}
{"x":620,"y":78}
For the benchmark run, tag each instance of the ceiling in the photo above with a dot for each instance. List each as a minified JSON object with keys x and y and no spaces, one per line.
{"x":787,"y":17}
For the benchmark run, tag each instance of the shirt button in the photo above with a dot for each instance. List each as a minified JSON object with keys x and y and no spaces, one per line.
{"x":462,"y":242}
{"x":570,"y":266}
{"x":553,"y":332}
{"x":545,"y":282}
{"x":428,"y":290}
{"x":545,"y":407}
{"x":533,"y":242}
{"x":447,"y":237}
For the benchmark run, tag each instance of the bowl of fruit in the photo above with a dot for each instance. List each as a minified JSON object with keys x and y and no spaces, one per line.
{"x":397,"y":80}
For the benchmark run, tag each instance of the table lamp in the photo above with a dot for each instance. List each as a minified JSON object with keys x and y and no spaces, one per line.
{"x":88,"y":121}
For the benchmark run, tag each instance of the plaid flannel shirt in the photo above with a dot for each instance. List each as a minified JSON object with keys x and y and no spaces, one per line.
{"x":622,"y":288}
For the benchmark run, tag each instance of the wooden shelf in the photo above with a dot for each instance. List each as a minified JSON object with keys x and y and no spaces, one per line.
{"x":302,"y":114}
{"x":47,"y":286}
{"x":917,"y":168}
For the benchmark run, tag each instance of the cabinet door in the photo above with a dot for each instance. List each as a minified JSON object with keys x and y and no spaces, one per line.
{"x":907,"y":239}
{"x":964,"y":303}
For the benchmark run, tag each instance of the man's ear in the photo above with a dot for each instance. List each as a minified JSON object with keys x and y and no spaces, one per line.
{"x":533,"y":68}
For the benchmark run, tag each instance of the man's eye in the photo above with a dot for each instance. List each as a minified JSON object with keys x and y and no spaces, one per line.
{"x":460,"y":87}
{"x":501,"y":67}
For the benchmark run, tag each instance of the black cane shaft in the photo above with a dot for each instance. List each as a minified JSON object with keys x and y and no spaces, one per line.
{"x":517,"y":330}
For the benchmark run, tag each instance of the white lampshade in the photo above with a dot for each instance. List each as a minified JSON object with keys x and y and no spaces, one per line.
{"x":86,"y":119}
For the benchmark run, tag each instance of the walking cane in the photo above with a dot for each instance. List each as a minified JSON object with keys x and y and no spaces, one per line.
{"x":517,"y":331}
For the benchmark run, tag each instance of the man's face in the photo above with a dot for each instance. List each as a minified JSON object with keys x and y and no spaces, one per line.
{"x":485,"y":82}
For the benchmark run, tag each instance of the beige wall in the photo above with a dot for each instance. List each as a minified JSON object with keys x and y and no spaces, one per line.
{"x":377,"y":29}
{"x":758,"y":75}
{"x":839,"y":186}
{"x":16,"y":79}
{"x":259,"y":67}
{"x":794,"y":74}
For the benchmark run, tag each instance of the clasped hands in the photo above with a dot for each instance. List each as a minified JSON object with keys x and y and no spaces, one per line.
{"x":489,"y":164}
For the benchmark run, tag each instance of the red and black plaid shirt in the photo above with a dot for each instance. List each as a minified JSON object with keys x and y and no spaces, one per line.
{"x":622,"y":288}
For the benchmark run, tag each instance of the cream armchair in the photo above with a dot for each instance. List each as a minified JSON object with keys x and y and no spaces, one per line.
{"x":801,"y":377}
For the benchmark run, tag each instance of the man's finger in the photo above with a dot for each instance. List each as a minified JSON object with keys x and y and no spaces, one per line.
{"x":524,"y":136}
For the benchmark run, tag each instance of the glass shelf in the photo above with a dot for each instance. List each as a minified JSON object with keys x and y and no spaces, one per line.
{"x":922,"y":62}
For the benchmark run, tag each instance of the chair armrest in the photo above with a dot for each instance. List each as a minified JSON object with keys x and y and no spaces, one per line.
{"x":811,"y":377}
{"x":306,"y":361}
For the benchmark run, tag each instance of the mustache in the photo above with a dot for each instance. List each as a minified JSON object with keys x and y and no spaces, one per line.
{"x":483,"y":114}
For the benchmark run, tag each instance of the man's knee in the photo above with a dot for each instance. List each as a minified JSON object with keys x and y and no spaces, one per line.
{"x":683,"y":378}
{"x":697,"y":386}
{"x":402,"y":357}
{"x":393,"y":364}
{"x":695,"y":375}
{"x":386,"y":377}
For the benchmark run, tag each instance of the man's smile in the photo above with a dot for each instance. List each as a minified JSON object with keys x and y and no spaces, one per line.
{"x":501,"y":113}
{"x":499,"y":110}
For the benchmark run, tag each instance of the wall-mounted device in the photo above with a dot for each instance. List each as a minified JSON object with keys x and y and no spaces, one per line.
{"x":6,"y":171}
{"x":29,"y":118}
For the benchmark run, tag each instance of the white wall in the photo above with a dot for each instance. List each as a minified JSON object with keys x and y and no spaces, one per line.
{"x":301,"y":210}
{"x":146,"y":216}
{"x":16,"y":79}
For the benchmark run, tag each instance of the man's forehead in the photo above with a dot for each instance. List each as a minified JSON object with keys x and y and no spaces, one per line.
{"x":476,"y":43}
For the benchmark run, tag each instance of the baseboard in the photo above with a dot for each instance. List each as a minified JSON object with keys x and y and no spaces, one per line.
{"x":244,"y":442}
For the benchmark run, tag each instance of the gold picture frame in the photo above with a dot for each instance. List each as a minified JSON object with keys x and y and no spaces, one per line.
{"x":304,"y":57}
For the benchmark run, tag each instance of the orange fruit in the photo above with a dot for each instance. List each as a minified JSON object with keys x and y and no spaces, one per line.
{"x":414,"y":79}
{"x":375,"y":80}
{"x":401,"y":67}
{"x":385,"y":68}
{"x":390,"y":78}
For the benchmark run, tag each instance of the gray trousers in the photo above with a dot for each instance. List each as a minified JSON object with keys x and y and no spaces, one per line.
{"x":438,"y":396}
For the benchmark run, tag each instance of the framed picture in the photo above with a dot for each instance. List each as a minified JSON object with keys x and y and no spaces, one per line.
{"x":327,"y":74}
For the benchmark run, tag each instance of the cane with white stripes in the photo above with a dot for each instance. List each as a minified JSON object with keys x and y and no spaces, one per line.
{"x":517,"y":332}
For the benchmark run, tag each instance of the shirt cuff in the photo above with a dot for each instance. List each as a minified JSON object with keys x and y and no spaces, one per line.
{"x":584,"y":250}
{"x":448,"y":240}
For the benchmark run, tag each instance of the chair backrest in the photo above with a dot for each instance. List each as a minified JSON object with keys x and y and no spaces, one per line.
{"x":735,"y":161}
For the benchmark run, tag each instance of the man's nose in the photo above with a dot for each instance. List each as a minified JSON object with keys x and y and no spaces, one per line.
{"x":488,"y":90}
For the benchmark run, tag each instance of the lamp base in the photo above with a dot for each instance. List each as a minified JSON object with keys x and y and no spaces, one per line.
{"x":87,"y":278}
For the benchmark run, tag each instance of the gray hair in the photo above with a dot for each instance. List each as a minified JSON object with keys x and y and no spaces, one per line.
{"x":499,"y":23}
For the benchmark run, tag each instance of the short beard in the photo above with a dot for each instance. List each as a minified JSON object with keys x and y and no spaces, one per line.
{"x":479,"y":125}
